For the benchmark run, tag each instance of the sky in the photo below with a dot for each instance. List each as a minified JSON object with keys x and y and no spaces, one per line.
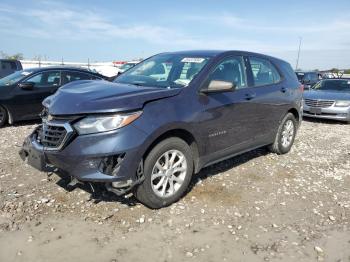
{"x":122,"y":30}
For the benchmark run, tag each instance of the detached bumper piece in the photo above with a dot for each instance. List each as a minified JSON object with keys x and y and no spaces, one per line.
{"x":32,"y":152}
{"x":122,"y":187}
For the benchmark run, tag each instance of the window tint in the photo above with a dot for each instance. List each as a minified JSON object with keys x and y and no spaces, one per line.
{"x":311,"y":76}
{"x":230,"y":70}
{"x":46,"y":79}
{"x":336,"y":85}
{"x":264,"y":73}
{"x":69,"y":76}
{"x":8,"y":65}
{"x":158,"y":69}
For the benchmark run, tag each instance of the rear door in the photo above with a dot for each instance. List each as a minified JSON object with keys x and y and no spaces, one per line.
{"x":29,"y":102}
{"x":269,"y":96}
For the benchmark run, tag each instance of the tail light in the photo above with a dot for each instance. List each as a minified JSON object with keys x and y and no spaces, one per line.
{"x":301,"y":87}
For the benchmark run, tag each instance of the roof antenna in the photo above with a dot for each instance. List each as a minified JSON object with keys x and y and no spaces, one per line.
{"x":297,"y":65}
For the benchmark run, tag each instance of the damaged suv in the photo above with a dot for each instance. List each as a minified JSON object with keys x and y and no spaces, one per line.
{"x":165,"y":119}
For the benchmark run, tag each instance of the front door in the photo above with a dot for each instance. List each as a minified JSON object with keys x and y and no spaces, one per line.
{"x":222,"y":121}
{"x":29,"y":102}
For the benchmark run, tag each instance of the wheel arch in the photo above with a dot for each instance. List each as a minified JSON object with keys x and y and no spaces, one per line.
{"x":182,"y":134}
{"x":9,"y":114}
{"x":296,"y":114}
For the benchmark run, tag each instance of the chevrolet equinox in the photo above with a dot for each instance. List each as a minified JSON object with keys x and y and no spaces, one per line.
{"x":165,"y":119}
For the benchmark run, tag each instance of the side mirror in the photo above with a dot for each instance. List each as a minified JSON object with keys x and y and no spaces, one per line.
{"x":219,"y":86}
{"x":26,"y":85}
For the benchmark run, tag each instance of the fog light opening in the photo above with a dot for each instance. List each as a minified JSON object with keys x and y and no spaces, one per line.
{"x":110,"y":165}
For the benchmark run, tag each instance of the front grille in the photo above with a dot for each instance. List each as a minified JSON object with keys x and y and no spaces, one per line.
{"x":53,"y":136}
{"x":319,"y":103}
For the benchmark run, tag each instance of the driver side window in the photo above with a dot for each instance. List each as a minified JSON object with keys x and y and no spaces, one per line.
{"x":46,"y":79}
{"x":230,"y":70}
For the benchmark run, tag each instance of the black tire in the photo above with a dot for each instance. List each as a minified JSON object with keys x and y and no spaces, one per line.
{"x":278,"y":147}
{"x":145,"y":193}
{"x":3,"y":116}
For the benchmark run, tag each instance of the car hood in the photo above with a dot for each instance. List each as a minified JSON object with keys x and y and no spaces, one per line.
{"x":82,"y":97}
{"x":329,"y":95}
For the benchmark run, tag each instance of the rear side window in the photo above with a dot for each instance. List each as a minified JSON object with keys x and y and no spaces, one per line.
{"x":311,"y":77}
{"x":264,"y":72}
{"x":69,"y":76}
{"x":230,"y":70}
{"x":8,"y":65}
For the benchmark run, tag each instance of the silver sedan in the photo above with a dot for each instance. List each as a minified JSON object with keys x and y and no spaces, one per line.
{"x":328,"y":99}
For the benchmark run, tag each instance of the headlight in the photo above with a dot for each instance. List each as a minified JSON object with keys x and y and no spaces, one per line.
{"x":97,"y":124}
{"x":342,"y":103}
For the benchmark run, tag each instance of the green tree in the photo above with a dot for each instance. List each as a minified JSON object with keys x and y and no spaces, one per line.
{"x":17,"y":56}
{"x":335,"y":70}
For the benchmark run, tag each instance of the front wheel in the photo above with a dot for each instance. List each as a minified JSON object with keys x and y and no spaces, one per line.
{"x":3,"y":116}
{"x":285,"y":135}
{"x":168,"y":170}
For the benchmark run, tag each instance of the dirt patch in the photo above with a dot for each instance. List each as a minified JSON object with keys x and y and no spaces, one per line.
{"x":254,"y":207}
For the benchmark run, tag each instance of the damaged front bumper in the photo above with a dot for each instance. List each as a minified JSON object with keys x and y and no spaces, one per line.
{"x":113,"y":158}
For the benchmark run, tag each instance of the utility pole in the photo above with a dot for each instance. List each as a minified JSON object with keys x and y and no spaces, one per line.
{"x":297,"y":65}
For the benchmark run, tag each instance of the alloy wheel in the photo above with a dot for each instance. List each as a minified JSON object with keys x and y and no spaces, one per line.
{"x":287,"y":133}
{"x":169,"y":173}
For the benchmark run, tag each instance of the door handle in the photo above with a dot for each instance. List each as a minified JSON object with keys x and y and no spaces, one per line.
{"x":250,"y":96}
{"x":283,"y":89}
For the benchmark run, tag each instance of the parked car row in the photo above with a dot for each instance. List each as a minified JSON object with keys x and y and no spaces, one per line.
{"x":165,"y":119}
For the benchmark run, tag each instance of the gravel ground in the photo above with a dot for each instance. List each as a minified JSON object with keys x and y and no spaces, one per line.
{"x":254,"y":207}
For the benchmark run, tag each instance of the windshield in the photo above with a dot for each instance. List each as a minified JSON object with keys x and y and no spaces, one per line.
{"x":307,"y":76}
{"x":126,"y":66}
{"x":14,"y":78}
{"x":335,"y":85}
{"x":164,"y":70}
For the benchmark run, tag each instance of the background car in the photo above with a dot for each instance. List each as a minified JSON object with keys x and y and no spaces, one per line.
{"x":22,"y":92}
{"x":9,"y":66}
{"x":308,"y":79}
{"x":330,"y":99}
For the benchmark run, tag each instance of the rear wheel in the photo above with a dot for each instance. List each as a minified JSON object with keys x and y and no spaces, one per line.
{"x":168,"y":170}
{"x":3,"y":116}
{"x":285,"y":135}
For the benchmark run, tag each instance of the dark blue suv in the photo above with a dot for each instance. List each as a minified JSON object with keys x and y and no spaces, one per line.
{"x":165,"y":119}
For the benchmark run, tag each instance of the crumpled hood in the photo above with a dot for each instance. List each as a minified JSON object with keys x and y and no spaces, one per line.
{"x":82,"y":97}
{"x":327,"y":95}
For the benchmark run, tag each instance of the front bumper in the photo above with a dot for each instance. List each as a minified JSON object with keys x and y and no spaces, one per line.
{"x":332,"y":112}
{"x":86,"y":157}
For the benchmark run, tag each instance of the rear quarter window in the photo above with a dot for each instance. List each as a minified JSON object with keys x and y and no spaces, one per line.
{"x":288,"y":72}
